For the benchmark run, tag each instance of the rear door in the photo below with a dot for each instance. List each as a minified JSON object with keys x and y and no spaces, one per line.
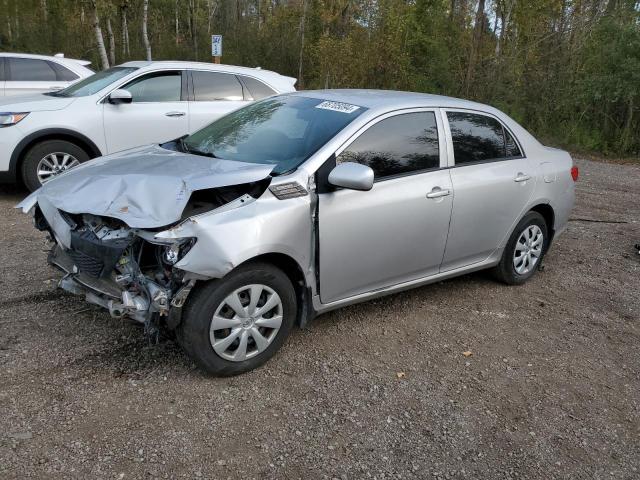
{"x":26,"y":76}
{"x":493,"y":181}
{"x":397,"y":231}
{"x":158,"y":112}
{"x":214,"y":94}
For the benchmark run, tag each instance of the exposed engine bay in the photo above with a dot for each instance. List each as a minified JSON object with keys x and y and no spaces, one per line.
{"x":127,"y":270}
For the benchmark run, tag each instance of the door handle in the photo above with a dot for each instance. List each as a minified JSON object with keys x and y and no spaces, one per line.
{"x":175,"y":114}
{"x":438,"y":192}
{"x":522,"y":177}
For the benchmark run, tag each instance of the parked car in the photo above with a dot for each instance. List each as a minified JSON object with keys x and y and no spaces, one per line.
{"x":133,"y":104}
{"x":299,"y":204}
{"x":24,"y":74}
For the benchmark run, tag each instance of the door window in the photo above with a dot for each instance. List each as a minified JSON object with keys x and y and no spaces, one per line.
{"x":213,"y":86}
{"x":397,"y":145}
{"x":30,"y":70}
{"x":479,"y":138}
{"x":157,"y":87}
{"x":63,"y":74}
{"x":256,"y":88}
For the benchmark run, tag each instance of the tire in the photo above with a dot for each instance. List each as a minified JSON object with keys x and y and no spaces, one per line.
{"x":58,"y":149}
{"x":197,"y":327}
{"x":506,"y":271}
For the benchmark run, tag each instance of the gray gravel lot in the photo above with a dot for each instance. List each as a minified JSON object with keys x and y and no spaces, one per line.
{"x":378,"y":390}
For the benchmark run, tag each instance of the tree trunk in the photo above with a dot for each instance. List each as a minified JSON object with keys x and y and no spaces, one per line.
{"x":112,"y":43}
{"x":9,"y":33}
{"x":505,"y":19}
{"x":45,"y":12}
{"x":192,"y":27}
{"x":303,"y":19}
{"x":145,"y":34}
{"x":99,"y":39}
{"x":177,"y":21}
{"x":475,"y":47}
{"x":126,"y":51}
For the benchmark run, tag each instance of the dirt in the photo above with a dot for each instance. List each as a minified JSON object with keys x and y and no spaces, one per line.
{"x":385,"y":389}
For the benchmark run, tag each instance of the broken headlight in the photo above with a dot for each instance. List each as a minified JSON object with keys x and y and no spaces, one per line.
{"x":173,"y":253}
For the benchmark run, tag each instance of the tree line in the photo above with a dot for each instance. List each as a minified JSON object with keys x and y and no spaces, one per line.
{"x":569,"y":70}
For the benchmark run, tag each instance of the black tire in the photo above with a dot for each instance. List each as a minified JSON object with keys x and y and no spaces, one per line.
{"x":193,"y":332}
{"x":505,"y":271}
{"x":39,"y":151}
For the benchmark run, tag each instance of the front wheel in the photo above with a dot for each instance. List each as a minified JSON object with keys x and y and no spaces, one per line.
{"x":48,"y":159}
{"x":524,"y":251}
{"x":236,"y":324}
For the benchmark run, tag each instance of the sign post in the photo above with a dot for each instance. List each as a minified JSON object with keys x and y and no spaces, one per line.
{"x":216,"y":48}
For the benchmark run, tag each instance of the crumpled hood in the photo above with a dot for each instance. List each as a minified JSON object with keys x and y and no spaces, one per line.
{"x":146,"y":187}
{"x":33,"y":103}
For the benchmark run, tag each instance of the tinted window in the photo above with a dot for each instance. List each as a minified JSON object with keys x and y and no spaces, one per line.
{"x":401,"y":144}
{"x":478,"y":138}
{"x":158,"y":87}
{"x":257,"y":89}
{"x":210,"y":86}
{"x":30,"y":70}
{"x":63,"y":74}
{"x":1,"y":69}
{"x":283,"y":131}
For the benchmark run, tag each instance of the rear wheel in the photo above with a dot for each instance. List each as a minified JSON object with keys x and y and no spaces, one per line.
{"x":47,"y":159}
{"x":236,"y":324}
{"x":524,"y":251}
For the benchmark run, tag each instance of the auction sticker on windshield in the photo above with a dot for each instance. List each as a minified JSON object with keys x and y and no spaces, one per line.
{"x":338,"y":106}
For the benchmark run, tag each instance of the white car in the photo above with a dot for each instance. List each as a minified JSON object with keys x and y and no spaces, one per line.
{"x":23,"y":74}
{"x":134,"y":104}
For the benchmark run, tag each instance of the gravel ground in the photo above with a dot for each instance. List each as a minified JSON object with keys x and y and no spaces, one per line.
{"x":378,"y":390}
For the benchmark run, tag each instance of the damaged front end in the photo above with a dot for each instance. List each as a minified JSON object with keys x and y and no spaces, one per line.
{"x":127,"y":271}
{"x":105,"y":218}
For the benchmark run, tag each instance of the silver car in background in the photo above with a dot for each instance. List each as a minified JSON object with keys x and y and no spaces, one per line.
{"x":299,"y":204}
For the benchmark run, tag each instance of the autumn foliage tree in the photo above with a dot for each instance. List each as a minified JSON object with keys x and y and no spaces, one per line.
{"x":569,"y":70}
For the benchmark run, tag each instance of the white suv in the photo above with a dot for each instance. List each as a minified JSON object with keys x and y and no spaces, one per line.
{"x":137,"y":103}
{"x":22,"y":73}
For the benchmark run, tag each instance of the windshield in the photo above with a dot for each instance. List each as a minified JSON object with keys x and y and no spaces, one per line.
{"x":283,"y":131}
{"x":94,"y":83}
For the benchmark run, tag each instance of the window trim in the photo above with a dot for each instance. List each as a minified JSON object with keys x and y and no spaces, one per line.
{"x":451,"y":159}
{"x":442,"y":143}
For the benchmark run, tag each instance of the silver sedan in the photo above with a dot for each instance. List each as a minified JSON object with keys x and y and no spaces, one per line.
{"x":299,"y":204}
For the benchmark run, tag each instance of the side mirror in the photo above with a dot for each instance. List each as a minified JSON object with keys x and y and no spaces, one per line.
{"x":353,"y":176}
{"x":120,"y":96}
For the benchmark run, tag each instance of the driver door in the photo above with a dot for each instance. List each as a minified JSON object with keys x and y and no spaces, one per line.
{"x":158,"y":113}
{"x":397,"y":231}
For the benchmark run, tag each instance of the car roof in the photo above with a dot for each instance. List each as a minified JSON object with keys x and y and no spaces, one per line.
{"x":75,"y":64}
{"x":217,"y":67}
{"x":392,"y":99}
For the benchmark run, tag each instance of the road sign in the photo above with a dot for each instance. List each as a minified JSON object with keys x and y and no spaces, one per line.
{"x":216,"y":45}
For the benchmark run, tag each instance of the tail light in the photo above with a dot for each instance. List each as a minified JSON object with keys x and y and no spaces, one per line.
{"x":574,"y":173}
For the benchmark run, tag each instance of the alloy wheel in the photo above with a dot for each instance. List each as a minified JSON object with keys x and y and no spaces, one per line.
{"x":54,"y":164}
